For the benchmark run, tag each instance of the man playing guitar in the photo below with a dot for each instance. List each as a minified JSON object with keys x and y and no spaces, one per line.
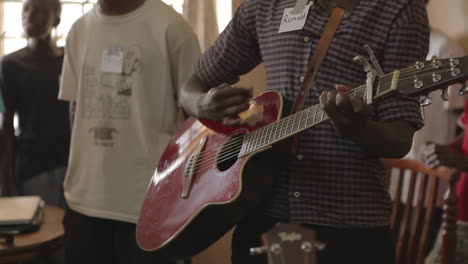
{"x":335,"y":182}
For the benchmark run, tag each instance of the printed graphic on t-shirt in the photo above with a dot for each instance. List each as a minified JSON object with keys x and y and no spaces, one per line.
{"x":103,"y":136}
{"x":107,"y":96}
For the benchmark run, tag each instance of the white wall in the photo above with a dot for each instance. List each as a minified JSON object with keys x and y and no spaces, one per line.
{"x":450,"y":16}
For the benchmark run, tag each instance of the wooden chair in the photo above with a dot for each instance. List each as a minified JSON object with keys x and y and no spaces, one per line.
{"x":414,"y":221}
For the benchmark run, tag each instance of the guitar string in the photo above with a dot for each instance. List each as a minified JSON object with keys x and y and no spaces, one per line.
{"x":237,"y":144}
{"x":236,"y":147}
{"x":213,"y":156}
{"x":413,"y":69}
{"x":283,"y":258}
{"x":233,"y":143}
{"x":283,"y":119}
{"x":292,"y":124}
{"x":409,"y":72}
{"x":227,"y":155}
{"x":407,"y":78}
{"x":411,"y":79}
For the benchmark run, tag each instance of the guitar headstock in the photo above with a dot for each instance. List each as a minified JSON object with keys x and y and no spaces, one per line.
{"x":290,"y":244}
{"x":424,"y":77}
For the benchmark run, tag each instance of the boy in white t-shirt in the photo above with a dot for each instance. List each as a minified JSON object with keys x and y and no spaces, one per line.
{"x":125,"y":62}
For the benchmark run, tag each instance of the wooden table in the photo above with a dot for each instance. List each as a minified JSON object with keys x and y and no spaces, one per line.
{"x":45,"y":240}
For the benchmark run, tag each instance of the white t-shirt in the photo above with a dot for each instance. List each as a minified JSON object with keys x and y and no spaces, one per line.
{"x":439,"y":117}
{"x":126,"y":103}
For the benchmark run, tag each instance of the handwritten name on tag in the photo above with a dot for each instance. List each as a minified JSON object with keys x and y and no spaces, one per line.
{"x":292,"y":22}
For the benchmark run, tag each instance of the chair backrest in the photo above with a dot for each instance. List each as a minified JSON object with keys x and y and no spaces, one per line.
{"x":414,"y":217}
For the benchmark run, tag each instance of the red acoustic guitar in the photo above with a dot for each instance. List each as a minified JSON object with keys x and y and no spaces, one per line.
{"x":211,"y":176}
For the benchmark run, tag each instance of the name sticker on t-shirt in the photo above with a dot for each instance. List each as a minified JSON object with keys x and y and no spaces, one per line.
{"x":112,"y":60}
{"x":291,"y":21}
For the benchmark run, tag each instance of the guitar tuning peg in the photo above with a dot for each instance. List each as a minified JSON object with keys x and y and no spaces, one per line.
{"x":444,"y":95}
{"x":425,"y":101}
{"x":257,"y":251}
{"x":463,"y":90}
{"x":320,"y":246}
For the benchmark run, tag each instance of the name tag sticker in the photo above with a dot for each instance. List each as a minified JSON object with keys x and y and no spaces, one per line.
{"x":292,"y":22}
{"x":112,"y":60}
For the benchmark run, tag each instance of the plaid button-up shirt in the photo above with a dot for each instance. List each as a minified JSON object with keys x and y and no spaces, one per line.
{"x":333,"y":183}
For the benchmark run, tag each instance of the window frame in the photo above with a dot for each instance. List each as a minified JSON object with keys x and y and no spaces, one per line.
{"x":61,"y":40}
{"x":19,"y":35}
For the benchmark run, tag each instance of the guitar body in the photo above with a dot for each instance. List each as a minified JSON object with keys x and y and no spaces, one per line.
{"x":222,"y":190}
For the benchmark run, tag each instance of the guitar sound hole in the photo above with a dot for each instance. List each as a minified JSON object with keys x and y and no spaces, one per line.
{"x":229,"y":152}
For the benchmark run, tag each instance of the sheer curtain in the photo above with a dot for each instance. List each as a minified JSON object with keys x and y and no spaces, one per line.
{"x":201,"y":15}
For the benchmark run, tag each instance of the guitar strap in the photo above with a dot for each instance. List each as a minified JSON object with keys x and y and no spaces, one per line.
{"x":341,"y":8}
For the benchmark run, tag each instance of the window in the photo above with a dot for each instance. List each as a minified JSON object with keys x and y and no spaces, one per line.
{"x":224,"y":13}
{"x":12,"y":37}
{"x":223,"y":10}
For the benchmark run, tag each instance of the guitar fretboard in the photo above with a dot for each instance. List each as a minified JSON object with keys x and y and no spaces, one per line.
{"x":305,"y":119}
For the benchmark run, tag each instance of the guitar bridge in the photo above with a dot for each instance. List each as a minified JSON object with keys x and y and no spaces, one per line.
{"x":191,"y":168}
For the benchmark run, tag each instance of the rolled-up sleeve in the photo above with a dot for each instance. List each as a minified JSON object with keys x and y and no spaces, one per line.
{"x":407,"y":43}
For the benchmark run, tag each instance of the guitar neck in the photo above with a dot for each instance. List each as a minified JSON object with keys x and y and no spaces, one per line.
{"x":307,"y":118}
{"x":420,"y":78}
